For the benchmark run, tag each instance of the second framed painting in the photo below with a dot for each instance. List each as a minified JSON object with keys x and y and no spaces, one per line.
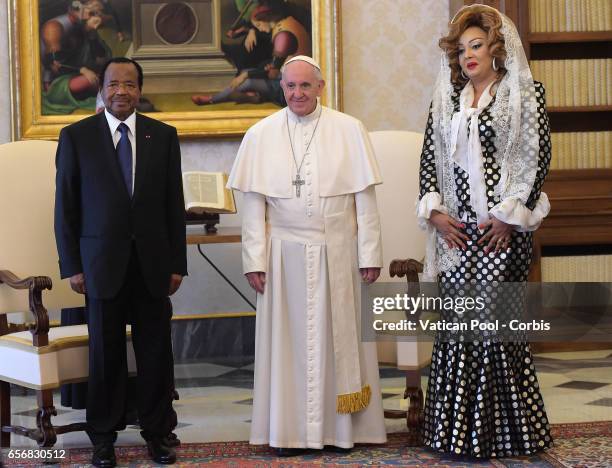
{"x":211,"y":67}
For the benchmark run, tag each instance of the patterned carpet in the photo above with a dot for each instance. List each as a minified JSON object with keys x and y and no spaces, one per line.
{"x":576,"y":445}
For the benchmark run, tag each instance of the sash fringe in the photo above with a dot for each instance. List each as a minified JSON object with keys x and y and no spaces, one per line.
{"x":353,"y":402}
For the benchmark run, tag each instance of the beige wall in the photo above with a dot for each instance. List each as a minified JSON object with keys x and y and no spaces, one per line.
{"x":390,"y":60}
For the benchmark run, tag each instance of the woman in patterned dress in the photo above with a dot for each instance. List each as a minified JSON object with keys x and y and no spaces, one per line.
{"x":485,"y":156}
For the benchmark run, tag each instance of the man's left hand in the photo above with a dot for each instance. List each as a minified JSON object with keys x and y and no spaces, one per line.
{"x":175,"y":283}
{"x":369,"y":275}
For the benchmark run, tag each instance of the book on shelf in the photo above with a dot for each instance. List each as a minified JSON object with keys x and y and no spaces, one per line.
{"x":568,"y":90}
{"x":554,"y":15}
{"x":587,"y":12}
{"x":548,"y":5}
{"x":583,"y":80}
{"x":205,"y":192}
{"x":594,"y":83}
{"x":606,"y":145}
{"x":593,"y":97}
{"x":562,"y":16}
{"x":607,"y":80}
{"x":603,"y":81}
{"x":533,"y":23}
{"x":557,"y":76}
{"x":593,"y":150}
{"x":585,"y":152}
{"x":574,"y":15}
{"x":575,"y":74}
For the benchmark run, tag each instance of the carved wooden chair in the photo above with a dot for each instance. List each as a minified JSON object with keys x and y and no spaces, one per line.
{"x":40,"y":357}
{"x":398,"y":153}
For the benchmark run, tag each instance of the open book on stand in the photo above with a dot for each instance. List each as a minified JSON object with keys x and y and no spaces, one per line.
{"x":206,"y":197}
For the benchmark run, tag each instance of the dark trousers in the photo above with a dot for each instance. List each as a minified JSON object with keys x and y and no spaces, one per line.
{"x":108,"y":373}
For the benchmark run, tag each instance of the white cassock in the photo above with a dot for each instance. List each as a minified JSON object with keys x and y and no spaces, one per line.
{"x":316,"y":383}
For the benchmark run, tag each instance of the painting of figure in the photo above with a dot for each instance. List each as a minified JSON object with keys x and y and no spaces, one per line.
{"x":72,"y":51}
{"x":273,"y":34}
{"x":197,"y":55}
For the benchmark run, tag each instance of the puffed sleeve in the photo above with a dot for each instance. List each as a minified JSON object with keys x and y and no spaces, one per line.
{"x":511,"y":210}
{"x":429,"y":193}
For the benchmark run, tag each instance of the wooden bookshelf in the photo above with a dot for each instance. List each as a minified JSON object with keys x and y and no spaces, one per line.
{"x":556,"y":37}
{"x":580,"y":109}
{"x":580,"y":120}
{"x":568,"y":50}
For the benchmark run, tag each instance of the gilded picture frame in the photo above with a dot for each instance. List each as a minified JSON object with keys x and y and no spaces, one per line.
{"x":27,"y":81}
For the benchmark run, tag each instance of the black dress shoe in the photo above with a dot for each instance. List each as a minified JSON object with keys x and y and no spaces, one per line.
{"x":160,"y":452}
{"x":104,"y":456}
{"x":288,"y":452}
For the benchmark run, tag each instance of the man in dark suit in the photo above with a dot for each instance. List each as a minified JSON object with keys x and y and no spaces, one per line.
{"x":120,"y":231}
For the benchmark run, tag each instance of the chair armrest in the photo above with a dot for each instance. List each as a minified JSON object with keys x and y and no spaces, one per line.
{"x":409,"y":268}
{"x":35,"y":285}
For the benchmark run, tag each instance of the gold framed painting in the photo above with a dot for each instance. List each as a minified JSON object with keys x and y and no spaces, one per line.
{"x":210,"y":66}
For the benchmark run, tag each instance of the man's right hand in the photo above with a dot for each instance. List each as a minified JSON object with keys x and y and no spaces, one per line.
{"x":257,"y":280}
{"x":77,"y":283}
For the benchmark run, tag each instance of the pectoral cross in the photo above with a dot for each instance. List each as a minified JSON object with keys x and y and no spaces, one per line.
{"x":298,"y":182}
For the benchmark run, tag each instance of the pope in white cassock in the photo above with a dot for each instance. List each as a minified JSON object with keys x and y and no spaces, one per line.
{"x":310,"y":236}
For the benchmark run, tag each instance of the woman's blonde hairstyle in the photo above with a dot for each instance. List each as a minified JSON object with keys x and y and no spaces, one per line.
{"x":485,"y":18}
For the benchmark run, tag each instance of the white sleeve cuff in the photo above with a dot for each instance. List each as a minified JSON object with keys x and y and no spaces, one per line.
{"x":428,"y":203}
{"x":369,"y":243}
{"x":254,"y":239}
{"x":513,"y":211}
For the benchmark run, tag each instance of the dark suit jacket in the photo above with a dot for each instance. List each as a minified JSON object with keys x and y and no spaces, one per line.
{"x":97,"y":223}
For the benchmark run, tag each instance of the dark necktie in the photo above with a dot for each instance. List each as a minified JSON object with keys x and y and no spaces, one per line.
{"x":124,"y":153}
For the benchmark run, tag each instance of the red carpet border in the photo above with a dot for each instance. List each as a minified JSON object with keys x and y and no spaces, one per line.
{"x":579,"y":445}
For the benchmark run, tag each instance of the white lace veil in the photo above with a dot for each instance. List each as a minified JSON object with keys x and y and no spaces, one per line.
{"x":515,"y":125}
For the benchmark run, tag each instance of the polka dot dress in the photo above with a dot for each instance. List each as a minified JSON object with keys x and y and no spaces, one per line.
{"x":483,"y":397}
